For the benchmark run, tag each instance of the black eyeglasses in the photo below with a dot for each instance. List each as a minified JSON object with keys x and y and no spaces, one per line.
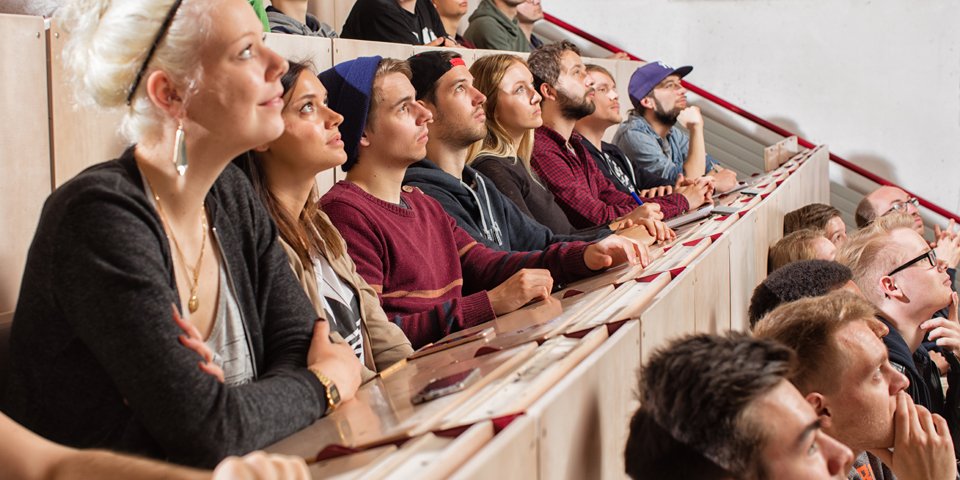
{"x":929,"y":256}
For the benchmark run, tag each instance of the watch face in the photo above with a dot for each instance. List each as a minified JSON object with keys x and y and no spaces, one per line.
{"x":334,"y":394}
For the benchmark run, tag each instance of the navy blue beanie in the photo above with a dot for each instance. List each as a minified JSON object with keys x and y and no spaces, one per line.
{"x":349,"y":87}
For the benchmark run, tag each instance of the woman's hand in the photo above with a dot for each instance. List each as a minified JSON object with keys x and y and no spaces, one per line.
{"x":336,"y":360}
{"x":194,"y":341}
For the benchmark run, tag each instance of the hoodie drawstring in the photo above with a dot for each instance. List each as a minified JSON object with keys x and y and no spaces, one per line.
{"x":491,"y":232}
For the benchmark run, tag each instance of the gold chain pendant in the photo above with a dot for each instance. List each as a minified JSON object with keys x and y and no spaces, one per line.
{"x":194,"y":303}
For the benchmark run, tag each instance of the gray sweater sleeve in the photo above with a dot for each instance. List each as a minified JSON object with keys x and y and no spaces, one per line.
{"x":112,"y":271}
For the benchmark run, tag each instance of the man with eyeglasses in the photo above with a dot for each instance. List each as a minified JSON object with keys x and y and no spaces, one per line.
{"x":887,"y":199}
{"x":901,"y":275}
{"x":650,"y":136}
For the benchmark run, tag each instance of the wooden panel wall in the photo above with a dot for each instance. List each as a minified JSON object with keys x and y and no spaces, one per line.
{"x":80,"y":137}
{"x":24,"y":146}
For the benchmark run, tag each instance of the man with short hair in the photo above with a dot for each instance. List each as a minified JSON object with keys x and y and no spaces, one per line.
{"x":845,"y":374}
{"x":609,"y":158}
{"x":431,"y":276}
{"x":720,"y":407}
{"x":494,"y":26}
{"x":411,"y":22}
{"x":806,"y":278}
{"x":451,"y":11}
{"x":888,"y":199}
{"x":445,"y":86}
{"x":898,"y":272}
{"x":650,"y":136}
{"x":817,"y":216}
{"x":562,"y":162}
{"x":291,"y":17}
{"x":528,"y":13}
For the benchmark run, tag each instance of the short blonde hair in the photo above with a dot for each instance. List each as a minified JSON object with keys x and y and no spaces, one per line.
{"x":793,"y":248}
{"x":809,"y":326}
{"x":108,"y":43}
{"x":851,"y":251}
{"x":870,"y":253}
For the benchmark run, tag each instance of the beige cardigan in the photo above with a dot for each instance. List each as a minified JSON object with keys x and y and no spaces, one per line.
{"x":384,"y":343}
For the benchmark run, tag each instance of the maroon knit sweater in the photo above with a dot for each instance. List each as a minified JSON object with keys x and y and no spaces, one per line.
{"x":431,"y":276}
{"x":580,"y":187}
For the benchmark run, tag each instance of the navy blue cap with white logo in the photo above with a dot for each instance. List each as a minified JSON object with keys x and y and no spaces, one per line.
{"x":648,"y":76}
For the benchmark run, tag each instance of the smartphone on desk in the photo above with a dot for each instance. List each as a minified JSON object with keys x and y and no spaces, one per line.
{"x":440,"y":387}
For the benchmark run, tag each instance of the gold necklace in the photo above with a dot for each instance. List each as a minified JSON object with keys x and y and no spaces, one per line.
{"x":194,"y":303}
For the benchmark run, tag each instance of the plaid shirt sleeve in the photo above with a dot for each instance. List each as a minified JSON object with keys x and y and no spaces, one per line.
{"x":570,"y":186}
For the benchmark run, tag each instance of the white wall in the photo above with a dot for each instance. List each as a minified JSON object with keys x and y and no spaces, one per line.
{"x":876,"y":80}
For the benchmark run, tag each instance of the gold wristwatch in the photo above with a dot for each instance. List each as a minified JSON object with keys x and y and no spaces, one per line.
{"x":333,"y":395}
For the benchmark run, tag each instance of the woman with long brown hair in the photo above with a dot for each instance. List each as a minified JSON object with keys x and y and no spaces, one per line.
{"x":283,"y":173}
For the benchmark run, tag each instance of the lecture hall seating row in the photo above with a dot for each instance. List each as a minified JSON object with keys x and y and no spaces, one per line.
{"x":569,"y":419}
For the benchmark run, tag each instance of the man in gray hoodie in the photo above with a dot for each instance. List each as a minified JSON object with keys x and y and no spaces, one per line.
{"x":494,"y":26}
{"x":291,"y":17}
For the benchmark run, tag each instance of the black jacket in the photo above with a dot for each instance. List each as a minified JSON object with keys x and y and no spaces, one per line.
{"x":95,"y":356}
{"x":513,"y":181}
{"x":619,"y":170}
{"x":387,"y":21}
{"x":924,"y":376}
{"x":480,"y":209}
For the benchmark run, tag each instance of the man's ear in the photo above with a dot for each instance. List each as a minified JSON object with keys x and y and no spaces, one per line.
{"x":889,"y":288}
{"x":164,"y":94}
{"x":548,"y":92}
{"x":820,"y":406}
{"x":647,"y":102}
{"x":364,"y":141}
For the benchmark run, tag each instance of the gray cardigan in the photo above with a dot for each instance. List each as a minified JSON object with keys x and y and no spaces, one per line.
{"x":95,"y":356}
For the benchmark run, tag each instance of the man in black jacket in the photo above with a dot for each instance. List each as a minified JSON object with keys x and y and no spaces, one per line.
{"x":413,"y":22}
{"x":846,"y":376}
{"x":611,"y":160}
{"x":899,"y":273}
{"x":445,"y":86}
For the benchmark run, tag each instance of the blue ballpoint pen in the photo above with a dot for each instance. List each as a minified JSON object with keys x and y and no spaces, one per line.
{"x":636,"y":198}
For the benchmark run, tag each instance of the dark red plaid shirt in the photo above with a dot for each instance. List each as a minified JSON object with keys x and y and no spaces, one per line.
{"x":580,"y":187}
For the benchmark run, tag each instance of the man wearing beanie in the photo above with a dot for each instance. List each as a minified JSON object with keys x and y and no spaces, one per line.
{"x":561,"y":161}
{"x":650,"y":136}
{"x":445,"y":86}
{"x":432,"y":277}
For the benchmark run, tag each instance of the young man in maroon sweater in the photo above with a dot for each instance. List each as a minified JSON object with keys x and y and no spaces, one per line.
{"x":432,"y":277}
{"x":562,"y":162}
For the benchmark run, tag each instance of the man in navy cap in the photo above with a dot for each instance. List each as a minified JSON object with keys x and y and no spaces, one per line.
{"x":650,"y":136}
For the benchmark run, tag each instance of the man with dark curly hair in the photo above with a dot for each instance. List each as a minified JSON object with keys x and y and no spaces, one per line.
{"x":806,"y":278}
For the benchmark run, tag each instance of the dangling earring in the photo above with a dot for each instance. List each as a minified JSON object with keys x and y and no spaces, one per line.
{"x":180,"y":151}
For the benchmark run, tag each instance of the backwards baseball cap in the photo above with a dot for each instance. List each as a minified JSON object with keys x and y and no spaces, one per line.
{"x":428,"y":67}
{"x":349,"y":86}
{"x":648,"y":76}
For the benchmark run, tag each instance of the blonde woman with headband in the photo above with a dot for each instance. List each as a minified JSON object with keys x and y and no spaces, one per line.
{"x":170,"y":232}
